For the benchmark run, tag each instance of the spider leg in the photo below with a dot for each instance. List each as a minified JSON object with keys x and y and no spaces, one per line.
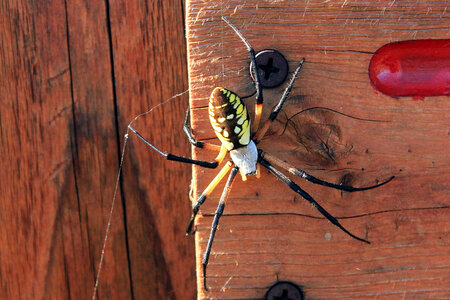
{"x":217,"y":215}
{"x":273,"y":115}
{"x":169,"y":156}
{"x":307,"y":197}
{"x":300,"y":173}
{"x":188,"y":130}
{"x":254,"y":71}
{"x":206,"y":193}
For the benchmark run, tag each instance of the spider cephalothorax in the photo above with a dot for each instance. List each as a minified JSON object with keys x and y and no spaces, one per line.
{"x":232,"y":125}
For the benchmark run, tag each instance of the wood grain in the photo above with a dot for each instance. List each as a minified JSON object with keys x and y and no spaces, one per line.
{"x":73,"y":74}
{"x":36,"y":148}
{"x":150,"y":63}
{"x":268,"y":233}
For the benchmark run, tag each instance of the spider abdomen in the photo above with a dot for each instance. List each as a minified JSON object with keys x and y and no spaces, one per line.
{"x":229,"y":118}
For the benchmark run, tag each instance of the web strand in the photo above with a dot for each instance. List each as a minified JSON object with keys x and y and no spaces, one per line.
{"x":116,"y":187}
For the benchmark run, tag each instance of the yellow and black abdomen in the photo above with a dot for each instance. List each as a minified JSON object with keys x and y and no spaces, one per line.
{"x":229,"y":118}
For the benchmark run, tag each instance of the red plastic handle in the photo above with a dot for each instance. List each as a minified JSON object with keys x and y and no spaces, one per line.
{"x":412,"y":68}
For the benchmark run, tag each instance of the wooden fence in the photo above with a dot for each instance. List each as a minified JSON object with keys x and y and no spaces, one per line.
{"x":73,"y":74}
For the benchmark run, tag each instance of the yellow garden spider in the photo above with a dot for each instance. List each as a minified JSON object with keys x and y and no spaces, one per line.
{"x":231,"y":122}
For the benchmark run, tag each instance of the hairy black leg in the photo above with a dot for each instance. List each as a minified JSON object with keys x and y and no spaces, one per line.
{"x":259,"y":92}
{"x":276,"y":110}
{"x":300,"y":173}
{"x":188,"y":130}
{"x":217,"y":215}
{"x":169,"y":156}
{"x":201,"y":199}
{"x":307,"y":197}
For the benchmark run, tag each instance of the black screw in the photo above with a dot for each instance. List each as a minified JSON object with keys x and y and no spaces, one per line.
{"x":284,"y":290}
{"x":272,"y":68}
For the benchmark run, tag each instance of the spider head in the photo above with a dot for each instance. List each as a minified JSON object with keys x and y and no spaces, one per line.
{"x":245,"y":158}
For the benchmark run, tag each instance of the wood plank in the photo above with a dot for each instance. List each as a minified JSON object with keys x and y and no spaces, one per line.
{"x":150,"y":66}
{"x":72,"y":76}
{"x":36,"y":152}
{"x":96,"y":153}
{"x":268,"y":233}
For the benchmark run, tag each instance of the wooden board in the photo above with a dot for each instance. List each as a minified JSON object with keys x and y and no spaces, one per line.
{"x":150,"y":55}
{"x":73,"y":74}
{"x":268,"y":233}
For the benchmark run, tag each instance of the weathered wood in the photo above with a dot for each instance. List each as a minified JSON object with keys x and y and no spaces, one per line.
{"x":150,"y":67}
{"x":72,"y":75}
{"x":267,"y":232}
{"x":38,"y":188}
{"x":96,"y":148}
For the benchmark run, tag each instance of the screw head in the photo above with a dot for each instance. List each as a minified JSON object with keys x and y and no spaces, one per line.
{"x":273,"y":68}
{"x":284,"y":290}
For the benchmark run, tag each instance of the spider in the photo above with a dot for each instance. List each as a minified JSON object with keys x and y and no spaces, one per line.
{"x":232,"y":125}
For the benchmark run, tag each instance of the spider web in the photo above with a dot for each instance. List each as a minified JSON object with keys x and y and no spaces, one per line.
{"x":119,"y":172}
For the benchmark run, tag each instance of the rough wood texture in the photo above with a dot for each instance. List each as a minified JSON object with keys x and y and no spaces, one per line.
{"x":268,"y":233}
{"x":72,"y":75}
